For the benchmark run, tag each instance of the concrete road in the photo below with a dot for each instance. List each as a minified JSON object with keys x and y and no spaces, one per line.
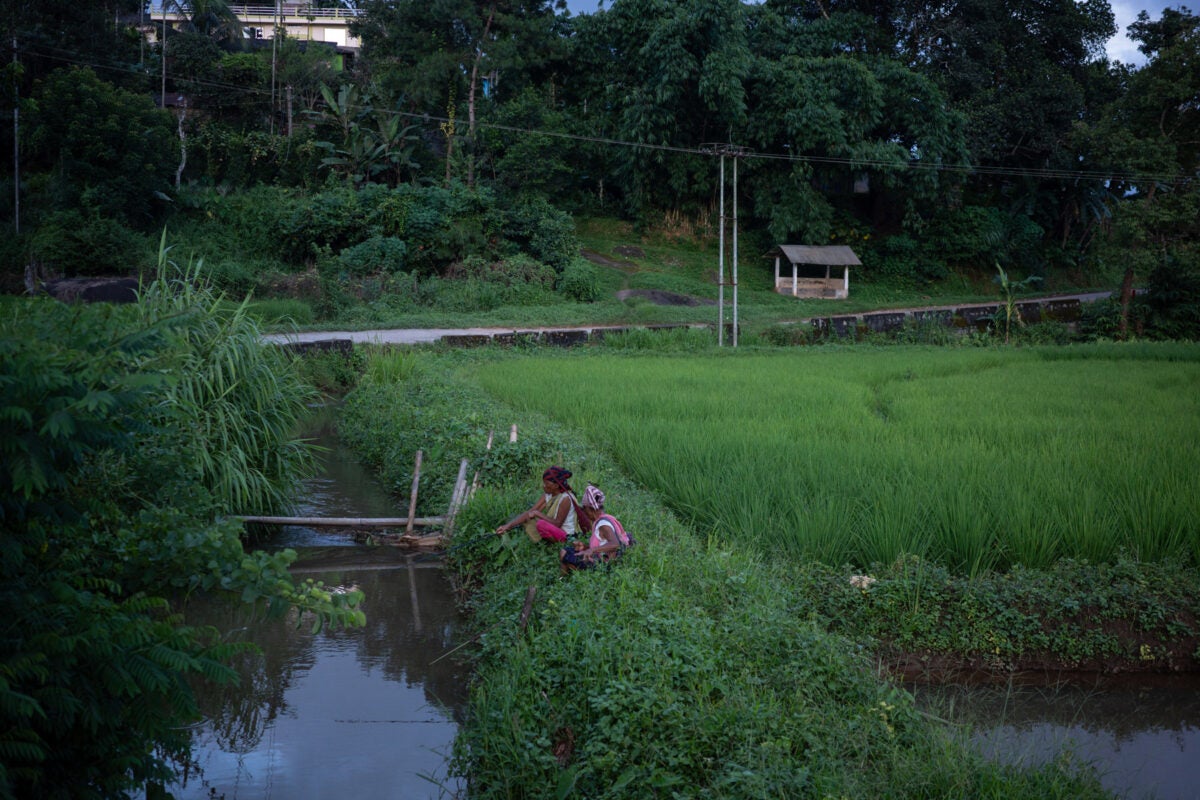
{"x":413,"y":335}
{"x":429,"y":335}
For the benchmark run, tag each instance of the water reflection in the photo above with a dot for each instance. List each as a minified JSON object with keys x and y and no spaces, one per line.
{"x":1143,"y":734}
{"x":342,"y":487}
{"x":370,"y":711}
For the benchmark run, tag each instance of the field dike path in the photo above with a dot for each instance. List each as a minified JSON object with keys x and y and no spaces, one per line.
{"x":578,"y":334}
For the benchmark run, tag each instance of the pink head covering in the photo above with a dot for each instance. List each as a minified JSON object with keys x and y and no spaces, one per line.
{"x":593,"y":497}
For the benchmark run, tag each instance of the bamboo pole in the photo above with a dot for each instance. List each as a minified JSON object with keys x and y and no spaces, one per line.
{"x":346,"y":522}
{"x":457,"y":499}
{"x":475,"y":480}
{"x":412,"y":502}
{"x":412,"y":595}
{"x":522,"y":622}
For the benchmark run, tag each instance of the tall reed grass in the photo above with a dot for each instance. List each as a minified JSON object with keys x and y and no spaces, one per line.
{"x":232,"y":402}
{"x":981,"y":459}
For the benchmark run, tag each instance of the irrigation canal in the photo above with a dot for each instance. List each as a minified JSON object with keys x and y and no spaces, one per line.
{"x":1141,"y":732}
{"x":366,"y":712}
{"x":372,"y":712}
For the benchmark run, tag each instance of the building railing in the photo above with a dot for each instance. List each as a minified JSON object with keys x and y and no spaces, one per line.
{"x":289,"y":11}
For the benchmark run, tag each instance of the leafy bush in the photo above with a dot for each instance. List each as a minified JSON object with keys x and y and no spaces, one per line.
{"x":1173,"y":300}
{"x":546,"y":232}
{"x":1047,"y":333}
{"x":517,"y":270}
{"x":221,"y":155}
{"x":236,"y":276}
{"x":927,"y":331}
{"x":1101,"y":319}
{"x":375,"y":255}
{"x":975,"y":236}
{"x":74,"y":243}
{"x":246,"y":224}
{"x":901,"y":260}
{"x":330,"y":220}
{"x":330,"y":371}
{"x":580,"y":281}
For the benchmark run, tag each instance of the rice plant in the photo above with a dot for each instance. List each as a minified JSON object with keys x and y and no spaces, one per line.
{"x":981,"y":459}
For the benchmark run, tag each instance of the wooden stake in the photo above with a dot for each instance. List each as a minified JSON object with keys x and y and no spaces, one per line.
{"x":412,"y":503}
{"x":528,"y":607}
{"x":457,"y":498}
{"x":475,"y":480}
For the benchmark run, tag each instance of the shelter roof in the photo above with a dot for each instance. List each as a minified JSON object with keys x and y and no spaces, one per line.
{"x":837,"y":255}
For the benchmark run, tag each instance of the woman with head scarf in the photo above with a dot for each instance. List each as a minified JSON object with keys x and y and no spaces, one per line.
{"x":553,"y":517}
{"x":608,"y":538}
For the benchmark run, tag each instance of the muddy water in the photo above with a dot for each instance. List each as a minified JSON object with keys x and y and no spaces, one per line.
{"x":1142,"y":734}
{"x":368,"y":712}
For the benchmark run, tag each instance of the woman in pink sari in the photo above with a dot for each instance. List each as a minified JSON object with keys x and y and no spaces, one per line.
{"x":554,"y":517}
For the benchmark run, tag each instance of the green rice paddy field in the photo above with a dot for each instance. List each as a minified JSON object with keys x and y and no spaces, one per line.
{"x":980,"y":459}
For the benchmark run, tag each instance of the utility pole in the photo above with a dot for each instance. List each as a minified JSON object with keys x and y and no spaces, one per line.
{"x":722,"y":150}
{"x":162,"y":98}
{"x":16,"y":142}
{"x":275,"y":24}
{"x":721,"y":263}
{"x":735,"y":250}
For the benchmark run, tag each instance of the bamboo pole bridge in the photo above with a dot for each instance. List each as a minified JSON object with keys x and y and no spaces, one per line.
{"x":408,"y":539}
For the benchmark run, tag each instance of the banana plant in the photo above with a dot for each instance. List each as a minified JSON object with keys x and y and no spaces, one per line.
{"x":1010,"y":289}
{"x":374,"y":143}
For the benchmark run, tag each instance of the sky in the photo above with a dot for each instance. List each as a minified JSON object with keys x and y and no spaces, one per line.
{"x":1119,"y":47}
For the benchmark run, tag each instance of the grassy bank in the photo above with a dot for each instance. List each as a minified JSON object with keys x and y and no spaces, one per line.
{"x":664,"y":274}
{"x":698,"y":666}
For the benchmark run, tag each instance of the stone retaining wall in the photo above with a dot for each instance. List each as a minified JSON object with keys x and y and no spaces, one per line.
{"x":965,"y":318}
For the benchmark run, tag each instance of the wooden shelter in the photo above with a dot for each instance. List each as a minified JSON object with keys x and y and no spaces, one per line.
{"x":808,"y":263}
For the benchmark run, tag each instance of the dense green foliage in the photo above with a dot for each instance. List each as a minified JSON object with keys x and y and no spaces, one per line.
{"x":694,"y":666}
{"x":128,"y":435}
{"x":937,"y":141}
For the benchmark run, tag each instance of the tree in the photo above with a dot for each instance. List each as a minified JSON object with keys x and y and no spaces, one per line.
{"x":47,"y":31}
{"x":1019,"y":71}
{"x":1150,"y":134}
{"x":107,"y":151}
{"x":215,"y":19}
{"x":662,"y":74}
{"x":302,"y":68}
{"x":438,"y":54}
{"x":1163,"y":100}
